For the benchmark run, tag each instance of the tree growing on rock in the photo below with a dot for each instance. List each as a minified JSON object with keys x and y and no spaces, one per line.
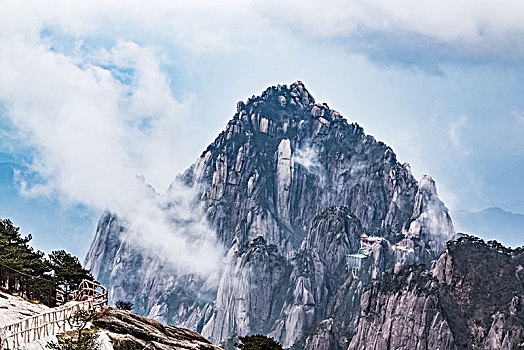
{"x":124,"y":305}
{"x":16,"y":252}
{"x":23,"y":269}
{"x":258,"y":342}
{"x":81,"y":340}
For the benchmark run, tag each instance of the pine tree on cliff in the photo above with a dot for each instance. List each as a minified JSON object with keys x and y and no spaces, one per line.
{"x":258,"y":342}
{"x":68,"y":270}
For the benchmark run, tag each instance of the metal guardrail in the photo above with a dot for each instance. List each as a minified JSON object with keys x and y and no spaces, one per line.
{"x":89,"y":296}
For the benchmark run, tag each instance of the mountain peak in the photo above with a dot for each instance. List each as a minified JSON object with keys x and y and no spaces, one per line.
{"x":299,"y":88}
{"x":427,"y":184}
{"x":281,"y":161}
{"x":284,"y":96}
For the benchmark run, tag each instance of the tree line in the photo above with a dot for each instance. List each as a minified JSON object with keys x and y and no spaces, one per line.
{"x":33,"y":274}
{"x":492,"y":244}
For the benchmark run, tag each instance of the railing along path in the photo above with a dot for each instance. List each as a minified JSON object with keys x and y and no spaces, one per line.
{"x":89,"y":296}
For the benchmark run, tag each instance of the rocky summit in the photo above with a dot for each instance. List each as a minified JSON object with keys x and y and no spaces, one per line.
{"x":290,"y":188}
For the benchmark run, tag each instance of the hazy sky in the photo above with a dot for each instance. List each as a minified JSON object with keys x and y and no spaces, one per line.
{"x":94,"y":93}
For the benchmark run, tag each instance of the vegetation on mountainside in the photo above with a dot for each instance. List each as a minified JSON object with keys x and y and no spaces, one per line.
{"x":124,"y":305}
{"x":257,"y":342}
{"x":78,"y":340}
{"x":486,"y":280}
{"x":26,"y":271}
{"x":477,"y":288}
{"x":493,"y":245}
{"x":69,"y":272}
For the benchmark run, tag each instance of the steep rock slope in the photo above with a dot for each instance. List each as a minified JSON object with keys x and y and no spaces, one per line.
{"x":472,"y":299}
{"x":289,"y":186}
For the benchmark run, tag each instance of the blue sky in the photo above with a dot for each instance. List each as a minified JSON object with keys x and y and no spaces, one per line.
{"x":94,"y":93}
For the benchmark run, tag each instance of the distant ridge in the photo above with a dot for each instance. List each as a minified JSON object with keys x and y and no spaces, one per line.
{"x":492,"y":223}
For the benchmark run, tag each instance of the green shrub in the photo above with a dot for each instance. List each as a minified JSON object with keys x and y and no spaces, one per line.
{"x":81,"y":340}
{"x":124,"y":305}
{"x":258,"y":342}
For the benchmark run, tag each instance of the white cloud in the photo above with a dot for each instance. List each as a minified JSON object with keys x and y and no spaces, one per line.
{"x":464,"y":29}
{"x":447,"y":196}
{"x":443,"y":20}
{"x":307,"y":157}
{"x":519,"y":116}
{"x":199,"y":26}
{"x":92,"y":134}
{"x":454,"y":134}
{"x":486,"y":28}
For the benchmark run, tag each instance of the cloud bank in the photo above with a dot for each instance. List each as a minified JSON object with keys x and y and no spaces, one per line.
{"x":394,"y":31}
{"x":94,"y":119}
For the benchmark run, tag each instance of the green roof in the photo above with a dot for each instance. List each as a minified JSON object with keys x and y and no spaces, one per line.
{"x":360,"y":256}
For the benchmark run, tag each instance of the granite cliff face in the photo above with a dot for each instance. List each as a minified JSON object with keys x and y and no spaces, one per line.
{"x":472,"y":299}
{"x":289,"y":187}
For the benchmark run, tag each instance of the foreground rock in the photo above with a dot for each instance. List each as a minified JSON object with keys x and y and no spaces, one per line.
{"x":13,"y":309}
{"x":128,"y":331}
{"x":473,"y":299}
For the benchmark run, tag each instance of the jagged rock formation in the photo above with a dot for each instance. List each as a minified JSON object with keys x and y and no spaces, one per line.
{"x":472,"y":299}
{"x":128,"y":331}
{"x":289,"y":186}
{"x":431,"y":220}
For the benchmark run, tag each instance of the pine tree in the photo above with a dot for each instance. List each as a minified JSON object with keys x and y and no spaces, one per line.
{"x":258,"y":342}
{"x":23,"y":266}
{"x":68,"y":270}
{"x":124,"y":305}
{"x":82,"y":340}
{"x":16,"y":253}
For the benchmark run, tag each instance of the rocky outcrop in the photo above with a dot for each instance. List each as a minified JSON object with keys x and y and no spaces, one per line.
{"x":156,"y":288}
{"x":255,"y":276}
{"x":431,"y":222}
{"x":288,"y":187}
{"x":406,"y":317}
{"x":472,"y":299}
{"x":319,"y":268}
{"x":128,"y":331}
{"x":326,"y":336}
{"x":13,"y":309}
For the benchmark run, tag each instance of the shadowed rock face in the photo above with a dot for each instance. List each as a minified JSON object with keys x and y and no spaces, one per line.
{"x":289,"y":186}
{"x":472,"y":299}
{"x":129,"y":331}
